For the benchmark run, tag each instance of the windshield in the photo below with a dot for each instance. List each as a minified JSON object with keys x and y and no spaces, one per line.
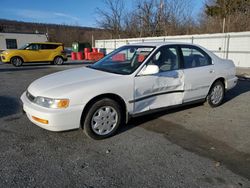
{"x":124,"y":60}
{"x":24,"y":46}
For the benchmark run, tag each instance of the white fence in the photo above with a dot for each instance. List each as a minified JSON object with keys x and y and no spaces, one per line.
{"x":235,"y":46}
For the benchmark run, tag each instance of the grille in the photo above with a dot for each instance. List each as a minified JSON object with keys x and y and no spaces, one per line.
{"x":30,"y":97}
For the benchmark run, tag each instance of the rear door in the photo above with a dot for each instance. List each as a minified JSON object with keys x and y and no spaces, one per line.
{"x":48,"y":51}
{"x":199,"y":72}
{"x":164,"y":88}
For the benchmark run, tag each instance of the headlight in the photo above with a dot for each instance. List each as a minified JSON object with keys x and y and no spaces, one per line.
{"x":51,"y":103}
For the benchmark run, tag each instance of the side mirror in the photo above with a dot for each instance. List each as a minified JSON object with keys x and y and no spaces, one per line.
{"x":149,"y":70}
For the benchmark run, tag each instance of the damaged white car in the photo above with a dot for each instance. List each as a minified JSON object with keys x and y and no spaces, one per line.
{"x":133,"y":80}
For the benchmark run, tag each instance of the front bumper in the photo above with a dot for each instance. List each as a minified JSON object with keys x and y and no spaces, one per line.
{"x":4,"y":59}
{"x":58,"y":119}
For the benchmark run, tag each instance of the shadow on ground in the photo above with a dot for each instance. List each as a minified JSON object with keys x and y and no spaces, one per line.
{"x":196,"y":142}
{"x":9,"y":106}
{"x":35,"y":66}
{"x":203,"y":145}
{"x":242,"y":87}
{"x":17,"y":69}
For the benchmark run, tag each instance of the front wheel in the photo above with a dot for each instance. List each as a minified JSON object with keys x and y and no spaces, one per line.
{"x":216,"y":94}
{"x":58,"y":61}
{"x":102,"y":119}
{"x":16,"y":61}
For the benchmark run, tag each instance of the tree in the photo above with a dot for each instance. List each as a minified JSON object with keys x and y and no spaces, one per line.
{"x":111,"y":18}
{"x":234,"y":15}
{"x":159,"y":17}
{"x":223,"y":8}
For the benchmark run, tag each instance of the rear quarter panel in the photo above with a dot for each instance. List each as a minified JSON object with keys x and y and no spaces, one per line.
{"x":224,"y":68}
{"x":55,"y":52}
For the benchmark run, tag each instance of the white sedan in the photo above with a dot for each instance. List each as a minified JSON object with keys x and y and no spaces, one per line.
{"x":132,"y":80}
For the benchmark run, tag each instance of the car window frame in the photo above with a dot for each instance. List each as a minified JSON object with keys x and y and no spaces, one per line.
{"x":155,"y":52}
{"x":46,"y":45}
{"x":199,"y":50}
{"x":39,"y":47}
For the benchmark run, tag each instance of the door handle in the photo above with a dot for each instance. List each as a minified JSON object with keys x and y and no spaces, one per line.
{"x":211,"y":71}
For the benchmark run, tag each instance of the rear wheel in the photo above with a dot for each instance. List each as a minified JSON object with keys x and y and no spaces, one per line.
{"x":58,"y":60}
{"x":16,"y":61}
{"x":216,"y":94}
{"x":102,"y":119}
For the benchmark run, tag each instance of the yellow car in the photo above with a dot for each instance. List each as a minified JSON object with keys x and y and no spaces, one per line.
{"x":35,"y":52}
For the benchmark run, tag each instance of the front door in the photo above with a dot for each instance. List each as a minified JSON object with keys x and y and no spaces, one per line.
{"x":33,"y":53}
{"x":164,"y":88}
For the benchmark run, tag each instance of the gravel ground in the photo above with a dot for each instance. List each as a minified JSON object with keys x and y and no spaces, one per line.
{"x":195,"y":146}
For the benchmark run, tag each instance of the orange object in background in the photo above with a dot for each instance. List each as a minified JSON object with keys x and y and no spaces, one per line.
{"x":94,"y":49}
{"x":73,"y":55}
{"x":141,"y":58}
{"x":95,"y":56}
{"x":119,"y":57}
{"x":86,"y":53}
{"x":79,"y":56}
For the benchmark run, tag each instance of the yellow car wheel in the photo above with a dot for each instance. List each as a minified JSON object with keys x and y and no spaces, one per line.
{"x":58,"y":60}
{"x":16,"y":61}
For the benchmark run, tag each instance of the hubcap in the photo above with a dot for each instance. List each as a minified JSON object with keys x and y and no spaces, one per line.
{"x":104,"y":120}
{"x":59,"y":61}
{"x":217,"y":94}
{"x":17,"y":61}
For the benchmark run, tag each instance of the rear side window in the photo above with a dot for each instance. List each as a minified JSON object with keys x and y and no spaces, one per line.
{"x":49,"y":46}
{"x":195,"y":57}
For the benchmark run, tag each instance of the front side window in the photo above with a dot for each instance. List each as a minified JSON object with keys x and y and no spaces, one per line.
{"x":166,"y":59}
{"x":33,"y":47}
{"x":11,"y":44}
{"x":124,"y":60}
{"x":194,"y":57}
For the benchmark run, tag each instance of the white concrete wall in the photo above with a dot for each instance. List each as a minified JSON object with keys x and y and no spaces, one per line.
{"x":21,"y":38}
{"x":235,"y":46}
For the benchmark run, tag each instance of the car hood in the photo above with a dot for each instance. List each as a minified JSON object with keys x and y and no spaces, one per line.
{"x":60,"y":83}
{"x":7,"y":51}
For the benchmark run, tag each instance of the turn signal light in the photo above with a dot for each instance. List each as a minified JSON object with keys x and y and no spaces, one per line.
{"x":63,"y":103}
{"x":43,"y":121}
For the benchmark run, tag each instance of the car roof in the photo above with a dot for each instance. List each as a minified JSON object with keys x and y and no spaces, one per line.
{"x":158,"y":44}
{"x":57,"y":43}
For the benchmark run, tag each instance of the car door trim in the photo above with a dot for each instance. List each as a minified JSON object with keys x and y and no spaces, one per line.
{"x":166,"y":108}
{"x":155,"y":94}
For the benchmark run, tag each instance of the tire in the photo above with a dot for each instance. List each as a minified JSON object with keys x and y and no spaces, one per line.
{"x":102,"y":119}
{"x":58,"y":60}
{"x":216,"y":94}
{"x":16,"y":61}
